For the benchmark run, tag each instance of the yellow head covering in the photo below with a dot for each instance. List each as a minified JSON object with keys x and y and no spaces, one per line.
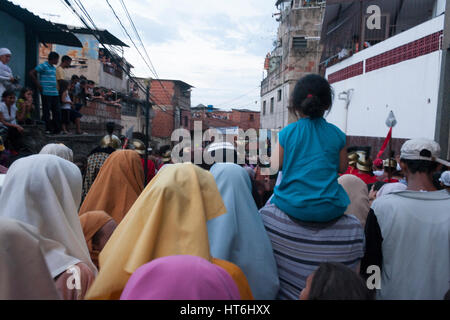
{"x":168,"y":218}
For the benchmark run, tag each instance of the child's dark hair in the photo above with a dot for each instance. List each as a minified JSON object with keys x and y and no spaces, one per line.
{"x":312,"y":96}
{"x":335,"y":281}
{"x":8,"y":93}
{"x":23,"y":91}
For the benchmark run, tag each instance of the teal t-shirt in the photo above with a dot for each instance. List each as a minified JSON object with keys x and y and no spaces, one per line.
{"x":48,"y":79}
{"x":309,"y":190}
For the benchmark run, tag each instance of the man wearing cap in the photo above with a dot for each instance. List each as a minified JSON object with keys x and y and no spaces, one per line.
{"x":6,"y":75}
{"x":408,"y":232}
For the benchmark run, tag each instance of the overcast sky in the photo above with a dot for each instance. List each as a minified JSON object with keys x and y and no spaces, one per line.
{"x":217,"y":46}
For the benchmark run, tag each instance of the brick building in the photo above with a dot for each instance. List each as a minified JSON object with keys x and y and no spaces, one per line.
{"x":246,"y":119}
{"x":172,"y":108}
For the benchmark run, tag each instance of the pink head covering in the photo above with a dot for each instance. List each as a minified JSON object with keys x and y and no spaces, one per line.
{"x":180,"y":278}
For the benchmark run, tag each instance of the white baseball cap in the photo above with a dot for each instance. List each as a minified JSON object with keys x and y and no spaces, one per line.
{"x":445,"y":178}
{"x":422,"y":149}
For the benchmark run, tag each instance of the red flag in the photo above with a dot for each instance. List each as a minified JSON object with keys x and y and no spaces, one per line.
{"x":385,"y":143}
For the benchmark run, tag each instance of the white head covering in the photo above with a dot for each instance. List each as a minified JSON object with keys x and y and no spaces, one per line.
{"x":59,"y":150}
{"x":24,"y":274}
{"x":391,"y":188}
{"x":4,"y":51}
{"x":45,"y":191}
{"x":2,"y":180}
{"x":445,"y":178}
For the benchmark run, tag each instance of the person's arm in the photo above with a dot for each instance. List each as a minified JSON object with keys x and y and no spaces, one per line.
{"x":374,"y":241}
{"x":20,"y":115}
{"x":280,"y":156}
{"x":33,"y":76}
{"x":6,"y":76}
{"x":11,"y":125}
{"x":343,"y":160}
{"x":64,"y":97}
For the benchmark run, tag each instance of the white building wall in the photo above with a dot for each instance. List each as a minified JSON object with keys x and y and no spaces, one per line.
{"x":279,"y":117}
{"x":410,"y":89}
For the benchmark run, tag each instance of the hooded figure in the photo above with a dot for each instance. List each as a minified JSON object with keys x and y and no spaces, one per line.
{"x":239,"y":235}
{"x":359,"y":197}
{"x":58,"y":149}
{"x":117,"y":186}
{"x":45,"y":191}
{"x":166,"y":279}
{"x":22,"y":262}
{"x":169,"y":218}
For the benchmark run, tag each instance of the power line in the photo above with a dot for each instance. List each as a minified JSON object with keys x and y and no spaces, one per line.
{"x":118,"y":63}
{"x":237,"y":98}
{"x":152,"y":69}
{"x":69,"y":5}
{"x":131,"y":76}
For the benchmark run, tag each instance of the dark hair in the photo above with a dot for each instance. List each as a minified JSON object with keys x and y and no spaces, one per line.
{"x":422,"y":166}
{"x":23,"y":91}
{"x":335,"y":281}
{"x":63,"y":86}
{"x":8,"y":93}
{"x":83,"y":78}
{"x":53,"y":55}
{"x":312,"y":96}
{"x":90,"y":82}
{"x":377,"y":185}
{"x":110,"y":126}
{"x":75,"y":77}
{"x":66,"y":58}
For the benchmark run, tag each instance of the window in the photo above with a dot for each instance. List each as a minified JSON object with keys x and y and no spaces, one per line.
{"x":272,"y":100}
{"x":185,"y":121}
{"x":299,"y":43}
{"x":279,"y":95}
{"x":251,"y":117}
{"x":264,"y":108}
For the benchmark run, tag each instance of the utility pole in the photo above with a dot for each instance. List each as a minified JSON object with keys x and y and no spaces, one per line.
{"x":147,"y":130}
{"x":442,"y":133}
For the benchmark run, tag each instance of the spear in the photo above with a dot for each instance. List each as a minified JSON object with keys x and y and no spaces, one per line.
{"x":390,"y":122}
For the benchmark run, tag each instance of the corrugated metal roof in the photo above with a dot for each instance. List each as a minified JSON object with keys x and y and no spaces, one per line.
{"x":104,"y":35}
{"x":280,"y":1}
{"x":46,"y":31}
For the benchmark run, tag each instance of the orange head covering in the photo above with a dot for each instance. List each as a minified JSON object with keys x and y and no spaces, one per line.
{"x":91,"y":223}
{"x":117,"y":186}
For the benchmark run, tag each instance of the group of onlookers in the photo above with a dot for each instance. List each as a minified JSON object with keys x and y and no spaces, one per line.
{"x":196,"y":231}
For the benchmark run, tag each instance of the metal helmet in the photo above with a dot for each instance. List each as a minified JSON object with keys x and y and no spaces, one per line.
{"x":390,"y":163}
{"x":138,"y":146}
{"x":353,"y":159}
{"x":111,"y":141}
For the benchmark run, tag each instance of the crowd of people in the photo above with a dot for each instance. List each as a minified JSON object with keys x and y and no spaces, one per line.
{"x":93,"y":229}
{"x":61,"y":99}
